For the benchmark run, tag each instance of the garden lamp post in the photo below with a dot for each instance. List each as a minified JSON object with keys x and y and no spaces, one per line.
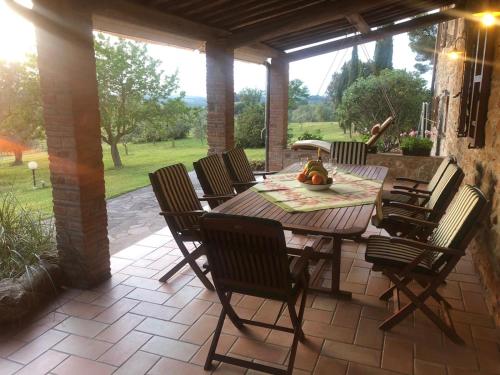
{"x":33,"y":165}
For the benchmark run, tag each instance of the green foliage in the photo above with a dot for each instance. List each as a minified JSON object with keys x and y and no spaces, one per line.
{"x":363,"y":103}
{"x":247,"y":97}
{"x":382,"y":57}
{"x":24,"y":235}
{"x":423,"y":42}
{"x":198,"y":117}
{"x":132,"y":90}
{"x":310,"y":136}
{"x":298,"y":93}
{"x":416,"y":143}
{"x":312,"y":113}
{"x":249,"y":125}
{"x":21,"y":120}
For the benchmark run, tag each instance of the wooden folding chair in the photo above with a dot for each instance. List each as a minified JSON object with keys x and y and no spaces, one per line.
{"x":349,"y":152}
{"x":428,"y":263}
{"x":417,"y":186}
{"x":182,"y":209}
{"x":214,"y":178}
{"x":248,"y":256}
{"x":402,"y":218}
{"x":239,"y":169}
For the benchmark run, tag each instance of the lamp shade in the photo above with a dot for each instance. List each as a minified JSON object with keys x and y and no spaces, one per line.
{"x":33,"y":165}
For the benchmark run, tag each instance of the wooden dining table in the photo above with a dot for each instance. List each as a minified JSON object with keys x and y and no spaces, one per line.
{"x":333,"y":224}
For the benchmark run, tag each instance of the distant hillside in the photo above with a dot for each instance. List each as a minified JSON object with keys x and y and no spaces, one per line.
{"x":195,"y":101}
{"x":317,"y":99}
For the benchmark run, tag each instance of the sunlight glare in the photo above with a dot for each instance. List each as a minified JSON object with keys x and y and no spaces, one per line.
{"x":17,"y":36}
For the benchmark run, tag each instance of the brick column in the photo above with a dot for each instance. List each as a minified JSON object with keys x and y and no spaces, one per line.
{"x":278,"y":113}
{"x":220,"y":97}
{"x":71,"y":113}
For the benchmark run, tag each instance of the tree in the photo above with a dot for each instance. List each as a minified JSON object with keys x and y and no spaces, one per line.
{"x":247,"y":96}
{"x":198,"y":117}
{"x":363,"y":104}
{"x":21,"y":120}
{"x":298,"y":93}
{"x":382,"y":57}
{"x":354,"y":66}
{"x":132,"y":89}
{"x":423,"y":42}
{"x":250,"y":119}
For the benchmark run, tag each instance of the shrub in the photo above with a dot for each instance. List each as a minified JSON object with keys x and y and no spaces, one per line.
{"x":258,"y":165}
{"x":416,"y":145}
{"x":249,"y":127}
{"x":24,"y":235}
{"x":310,"y":136}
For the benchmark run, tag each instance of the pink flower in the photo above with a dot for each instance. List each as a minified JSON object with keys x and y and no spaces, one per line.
{"x":403,"y":134}
{"x":413,"y":133}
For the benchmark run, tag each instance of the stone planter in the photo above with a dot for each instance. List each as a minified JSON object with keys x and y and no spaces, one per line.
{"x":21,"y":297}
{"x":416,"y":151}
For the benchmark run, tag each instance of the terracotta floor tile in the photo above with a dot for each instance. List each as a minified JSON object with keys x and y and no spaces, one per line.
{"x":397,"y":356}
{"x":118,"y":292}
{"x":477,"y":288}
{"x":116,"y":311}
{"x":359,"y":369}
{"x":38,"y":346}
{"x":347,"y":315}
{"x":474,"y":302}
{"x":376,"y":286}
{"x":200,"y":331}
{"x":472,"y":318}
{"x":352,"y":353}
{"x":155,"y":311}
{"x":142,"y":282}
{"x":162,"y":328}
{"x":251,"y":302}
{"x":191,"y":312}
{"x":139,"y":364}
{"x":175,"y":284}
{"x":368,"y":334}
{"x":183,"y":297}
{"x":120,"y":328}
{"x":155,"y":241}
{"x":8,"y":367}
{"x":170,"y":348}
{"x":258,"y":350}
{"x":125,"y":348}
{"x":268,"y":312}
{"x":80,"y":366}
{"x":324,"y":303}
{"x":171,"y":366}
{"x":82,"y":327}
{"x":142,"y":263}
{"x":117,"y":264}
{"x":163,"y":262}
{"x":308,"y":353}
{"x":358,"y":275}
{"x":317,"y":315}
{"x":35,"y":329}
{"x":225,"y":343}
{"x":87,"y":296}
{"x":134,"y":252}
{"x":330,"y":366}
{"x":82,"y":347}
{"x":327,"y":331}
{"x":43,"y":364}
{"x":428,"y":368}
{"x":138,"y":271}
{"x":148,"y":296}
{"x":491,"y":334}
{"x":10,"y":346}
{"x":80,"y":309}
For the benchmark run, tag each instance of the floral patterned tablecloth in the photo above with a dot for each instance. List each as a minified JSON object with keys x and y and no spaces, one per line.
{"x":347,"y":190}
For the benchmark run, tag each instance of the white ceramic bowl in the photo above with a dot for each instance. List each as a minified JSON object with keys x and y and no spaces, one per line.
{"x":315,"y":187}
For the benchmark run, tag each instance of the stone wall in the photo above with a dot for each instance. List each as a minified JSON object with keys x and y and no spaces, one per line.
{"x":481,"y":166}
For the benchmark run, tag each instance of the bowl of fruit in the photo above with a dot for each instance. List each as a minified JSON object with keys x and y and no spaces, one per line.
{"x":314,"y":176}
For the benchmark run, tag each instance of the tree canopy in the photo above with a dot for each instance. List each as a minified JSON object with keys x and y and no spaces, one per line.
{"x":250,"y":118}
{"x":423,"y":42}
{"x":133,"y":90}
{"x":21,"y":119}
{"x":363,"y":103}
{"x":298,"y":93}
{"x":382,"y":57}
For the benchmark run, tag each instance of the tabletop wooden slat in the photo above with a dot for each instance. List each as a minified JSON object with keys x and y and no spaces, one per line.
{"x":345,"y":221}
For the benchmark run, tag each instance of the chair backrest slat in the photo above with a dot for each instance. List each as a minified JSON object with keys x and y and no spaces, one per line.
{"x":237,"y":164}
{"x":439,"y":172}
{"x":349,"y":152}
{"x":444,"y":191}
{"x":460,"y":221}
{"x":175,"y":193}
{"x":246,"y":254}
{"x":214,"y":178}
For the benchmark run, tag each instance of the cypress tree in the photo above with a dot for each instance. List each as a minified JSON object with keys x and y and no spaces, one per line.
{"x":355,"y":66}
{"x":382,"y":58}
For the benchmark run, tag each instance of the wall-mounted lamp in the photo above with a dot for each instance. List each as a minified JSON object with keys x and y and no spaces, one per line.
{"x":455,"y":53}
{"x":487,"y":13}
{"x":33,"y":166}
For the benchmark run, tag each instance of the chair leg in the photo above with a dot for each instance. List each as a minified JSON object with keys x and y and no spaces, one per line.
{"x":388,"y":293}
{"x":174,"y":270}
{"x":298,"y":335}
{"x":215,"y":340}
{"x":191,"y":260}
{"x":226,"y":306}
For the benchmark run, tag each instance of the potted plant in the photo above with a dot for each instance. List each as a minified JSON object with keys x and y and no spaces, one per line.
{"x":411,"y":144}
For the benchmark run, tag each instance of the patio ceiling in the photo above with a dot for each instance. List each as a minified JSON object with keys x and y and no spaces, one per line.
{"x":276,"y":26}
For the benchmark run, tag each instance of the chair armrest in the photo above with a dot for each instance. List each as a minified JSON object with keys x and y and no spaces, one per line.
{"x":423,"y":182}
{"x":182,"y":213}
{"x":427,"y":246}
{"x":411,"y":189}
{"x":245,"y":183}
{"x":304,"y":258}
{"x":264,"y":173}
{"x":215,"y":197}
{"x":412,"y":220}
{"x":407,"y":206}
{"x":409,"y":194}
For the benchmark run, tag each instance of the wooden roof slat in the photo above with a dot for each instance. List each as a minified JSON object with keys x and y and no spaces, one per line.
{"x":255,"y":7}
{"x":359,"y":22}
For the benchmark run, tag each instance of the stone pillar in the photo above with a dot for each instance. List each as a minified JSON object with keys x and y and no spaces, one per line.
{"x":278,"y":113}
{"x":220,"y":97}
{"x":71,"y":112}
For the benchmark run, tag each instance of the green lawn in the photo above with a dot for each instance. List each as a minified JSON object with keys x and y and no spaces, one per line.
{"x":142,"y":158}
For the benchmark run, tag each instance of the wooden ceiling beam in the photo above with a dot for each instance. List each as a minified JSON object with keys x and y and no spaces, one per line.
{"x":359,"y":23}
{"x":305,"y":18}
{"x":381,"y":33}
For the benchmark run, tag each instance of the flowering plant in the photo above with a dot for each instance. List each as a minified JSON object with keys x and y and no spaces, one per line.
{"x":412,"y":144}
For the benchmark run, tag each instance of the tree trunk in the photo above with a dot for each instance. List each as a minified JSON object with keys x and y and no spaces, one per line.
{"x":115,"y":154}
{"x":173,"y":142}
{"x":18,"y":157}
{"x":126,"y":148}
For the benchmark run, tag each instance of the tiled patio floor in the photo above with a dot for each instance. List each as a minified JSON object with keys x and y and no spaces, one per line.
{"x":134,"y":324}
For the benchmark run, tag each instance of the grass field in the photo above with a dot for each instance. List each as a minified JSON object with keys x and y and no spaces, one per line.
{"x":142,"y":158}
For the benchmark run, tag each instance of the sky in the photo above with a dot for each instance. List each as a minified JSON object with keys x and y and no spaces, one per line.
{"x":17,"y":38}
